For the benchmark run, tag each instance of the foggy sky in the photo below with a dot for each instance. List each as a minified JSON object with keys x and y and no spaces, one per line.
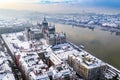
{"x":52,"y":6}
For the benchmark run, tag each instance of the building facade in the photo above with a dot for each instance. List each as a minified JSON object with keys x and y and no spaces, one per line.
{"x":87,"y":67}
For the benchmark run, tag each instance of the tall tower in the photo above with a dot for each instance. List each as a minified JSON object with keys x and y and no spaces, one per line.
{"x":44,"y":24}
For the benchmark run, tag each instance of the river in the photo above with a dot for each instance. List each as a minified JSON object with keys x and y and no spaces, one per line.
{"x":102,"y":44}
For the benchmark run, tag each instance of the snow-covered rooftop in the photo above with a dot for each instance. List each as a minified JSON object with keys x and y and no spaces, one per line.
{"x":62,"y":51}
{"x":58,"y":54}
{"x":5,"y":69}
{"x":27,"y":56}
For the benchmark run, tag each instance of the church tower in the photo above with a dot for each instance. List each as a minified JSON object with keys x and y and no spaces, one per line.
{"x":44,"y":24}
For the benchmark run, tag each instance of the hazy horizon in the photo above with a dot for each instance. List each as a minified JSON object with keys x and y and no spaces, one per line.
{"x":63,"y":6}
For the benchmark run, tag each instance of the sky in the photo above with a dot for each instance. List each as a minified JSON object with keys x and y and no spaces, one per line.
{"x":111,"y":3}
{"x":58,"y":5}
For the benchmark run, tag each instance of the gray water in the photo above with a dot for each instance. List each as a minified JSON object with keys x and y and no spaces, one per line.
{"x":102,"y":44}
